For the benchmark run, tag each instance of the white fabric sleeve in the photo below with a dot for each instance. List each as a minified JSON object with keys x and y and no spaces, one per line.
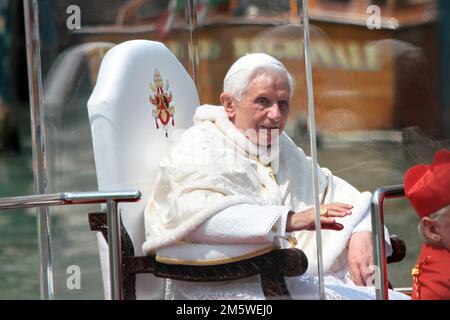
{"x":243,"y":223}
{"x":365,"y":224}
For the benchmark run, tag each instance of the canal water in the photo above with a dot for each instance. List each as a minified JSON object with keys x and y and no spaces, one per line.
{"x":366,"y":163}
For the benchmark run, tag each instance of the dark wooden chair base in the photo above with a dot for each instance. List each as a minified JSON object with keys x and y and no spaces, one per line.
{"x":272,"y":266}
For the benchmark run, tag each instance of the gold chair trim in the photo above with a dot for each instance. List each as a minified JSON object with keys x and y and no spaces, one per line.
{"x":213,"y":262}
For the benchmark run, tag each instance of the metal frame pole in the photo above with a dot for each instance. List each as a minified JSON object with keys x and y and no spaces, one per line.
{"x":115,"y":251}
{"x":31,"y":13}
{"x":312,"y":135}
{"x":379,"y":250}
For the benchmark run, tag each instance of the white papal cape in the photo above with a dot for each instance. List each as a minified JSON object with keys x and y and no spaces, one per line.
{"x":215,"y":187}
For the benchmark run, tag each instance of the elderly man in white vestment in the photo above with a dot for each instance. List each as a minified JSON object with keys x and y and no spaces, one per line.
{"x":235,"y":178}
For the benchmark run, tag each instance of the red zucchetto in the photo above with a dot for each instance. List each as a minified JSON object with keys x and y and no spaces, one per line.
{"x":428,"y":186}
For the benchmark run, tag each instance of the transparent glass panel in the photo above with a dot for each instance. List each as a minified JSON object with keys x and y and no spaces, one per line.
{"x":381,"y":100}
{"x":75,"y":36}
{"x":19,"y":260}
{"x":380,"y":71}
{"x":19,"y":256}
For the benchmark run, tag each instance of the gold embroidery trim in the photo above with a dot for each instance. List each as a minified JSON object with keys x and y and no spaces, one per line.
{"x":415,"y":272}
{"x":271,"y":173}
{"x":291,"y":239}
{"x":269,"y":169}
{"x":213,"y":262}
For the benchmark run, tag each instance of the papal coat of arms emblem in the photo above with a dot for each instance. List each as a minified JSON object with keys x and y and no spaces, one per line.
{"x":163,"y":111}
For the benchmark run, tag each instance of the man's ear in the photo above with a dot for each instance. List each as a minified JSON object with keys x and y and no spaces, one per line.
{"x":429,"y":227}
{"x":228,"y":104}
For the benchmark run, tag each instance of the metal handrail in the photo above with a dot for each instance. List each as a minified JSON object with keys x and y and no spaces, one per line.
{"x":111,"y":198}
{"x":379,"y":251}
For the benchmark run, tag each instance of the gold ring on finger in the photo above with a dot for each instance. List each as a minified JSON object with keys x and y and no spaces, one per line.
{"x":323,"y":211}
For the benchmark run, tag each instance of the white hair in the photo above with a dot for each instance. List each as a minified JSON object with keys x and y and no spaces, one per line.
{"x":248,"y":67}
{"x":437,"y":216}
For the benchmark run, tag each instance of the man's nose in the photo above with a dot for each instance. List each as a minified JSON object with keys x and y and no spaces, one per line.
{"x":274,"y":113}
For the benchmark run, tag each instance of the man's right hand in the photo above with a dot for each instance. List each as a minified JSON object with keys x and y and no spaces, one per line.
{"x":305,"y":220}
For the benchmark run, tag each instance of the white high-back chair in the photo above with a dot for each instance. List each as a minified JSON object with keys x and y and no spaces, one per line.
{"x":142,"y":96}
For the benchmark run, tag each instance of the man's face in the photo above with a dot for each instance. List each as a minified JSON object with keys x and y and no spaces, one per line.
{"x":263,"y":109}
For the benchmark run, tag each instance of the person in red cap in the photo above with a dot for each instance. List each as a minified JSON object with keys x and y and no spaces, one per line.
{"x":428,"y":189}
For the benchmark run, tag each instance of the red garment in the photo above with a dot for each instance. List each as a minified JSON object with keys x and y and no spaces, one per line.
{"x":431,"y":274}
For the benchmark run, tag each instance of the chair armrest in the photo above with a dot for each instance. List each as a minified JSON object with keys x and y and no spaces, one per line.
{"x":398,"y":250}
{"x":98,"y":222}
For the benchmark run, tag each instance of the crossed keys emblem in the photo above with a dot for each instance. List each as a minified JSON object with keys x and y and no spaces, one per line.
{"x":162,"y":111}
